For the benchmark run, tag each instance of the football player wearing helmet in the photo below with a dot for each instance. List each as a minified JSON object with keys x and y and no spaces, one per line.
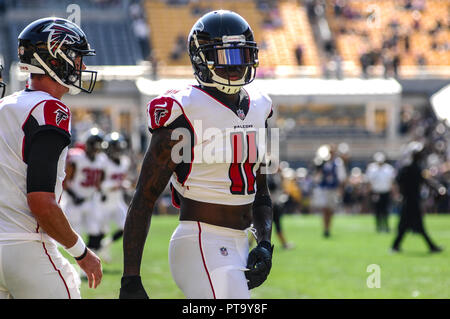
{"x":113,"y":206}
{"x":85,"y":173}
{"x":35,"y":131}
{"x":219,"y":201}
{"x":2,"y":84}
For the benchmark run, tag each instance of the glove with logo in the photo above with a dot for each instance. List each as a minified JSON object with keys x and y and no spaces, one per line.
{"x":132,"y":288}
{"x":259,"y":264}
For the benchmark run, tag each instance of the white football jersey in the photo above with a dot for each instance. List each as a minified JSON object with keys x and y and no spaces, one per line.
{"x":381,"y":177}
{"x":227,"y":147}
{"x":22,"y":115}
{"x":115,"y":175}
{"x":87,"y":175}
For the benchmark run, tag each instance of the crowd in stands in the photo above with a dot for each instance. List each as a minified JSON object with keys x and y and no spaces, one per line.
{"x":141,"y":28}
{"x":396,"y":34}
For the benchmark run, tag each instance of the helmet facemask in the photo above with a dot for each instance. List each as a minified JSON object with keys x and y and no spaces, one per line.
{"x":227,"y":65}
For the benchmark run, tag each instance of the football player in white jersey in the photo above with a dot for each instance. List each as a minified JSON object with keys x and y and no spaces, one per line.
{"x":113,"y":206}
{"x":85,"y":173}
{"x":34,"y":136}
{"x":219,"y":200}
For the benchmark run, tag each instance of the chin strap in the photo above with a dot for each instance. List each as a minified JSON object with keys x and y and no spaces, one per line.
{"x":221,"y":87}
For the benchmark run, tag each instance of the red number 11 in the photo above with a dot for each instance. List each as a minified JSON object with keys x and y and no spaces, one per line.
{"x":239,"y":168}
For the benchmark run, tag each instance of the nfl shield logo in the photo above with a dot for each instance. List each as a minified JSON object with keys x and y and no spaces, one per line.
{"x":241,"y":114}
{"x":224,"y":251}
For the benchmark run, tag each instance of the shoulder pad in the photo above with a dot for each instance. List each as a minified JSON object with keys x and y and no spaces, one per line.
{"x":162,"y":111}
{"x":54,"y":113}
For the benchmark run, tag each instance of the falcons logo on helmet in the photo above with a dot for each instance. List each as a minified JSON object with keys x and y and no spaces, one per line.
{"x":159,"y":114}
{"x":58,"y":36}
{"x":60,"y":116}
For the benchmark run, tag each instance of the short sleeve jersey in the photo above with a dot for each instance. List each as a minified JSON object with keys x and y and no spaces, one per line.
{"x":225,"y":148}
{"x":23,"y":115}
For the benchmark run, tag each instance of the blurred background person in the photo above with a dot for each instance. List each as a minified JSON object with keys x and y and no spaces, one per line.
{"x":84,"y":175}
{"x":330,"y":175}
{"x":381,"y":177}
{"x":280,"y":198}
{"x":410,"y":178}
{"x":115,"y":182}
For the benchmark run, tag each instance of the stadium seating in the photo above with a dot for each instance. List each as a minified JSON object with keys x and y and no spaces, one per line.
{"x":277,"y":44}
{"x":110,"y":32}
{"x":372,"y":22}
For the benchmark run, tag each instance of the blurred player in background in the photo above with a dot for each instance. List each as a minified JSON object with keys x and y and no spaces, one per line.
{"x":381,"y":177}
{"x":220,"y":202}
{"x":85,"y":172}
{"x":329,"y":176}
{"x":112,"y":206}
{"x":410,"y":178}
{"x":35,"y":131}
{"x":275,"y":184}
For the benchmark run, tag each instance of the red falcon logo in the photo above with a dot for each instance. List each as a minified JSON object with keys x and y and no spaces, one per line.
{"x":159,"y":114}
{"x":58,"y":36}
{"x":159,"y":111}
{"x":60,"y":116}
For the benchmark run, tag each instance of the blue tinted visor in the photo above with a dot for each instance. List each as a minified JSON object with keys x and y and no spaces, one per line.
{"x":232,"y":55}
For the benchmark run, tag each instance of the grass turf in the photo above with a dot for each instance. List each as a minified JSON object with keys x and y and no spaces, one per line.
{"x":316,"y":267}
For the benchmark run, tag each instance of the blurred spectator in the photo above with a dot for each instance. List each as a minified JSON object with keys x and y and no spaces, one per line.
{"x":299,"y":54}
{"x":416,"y":25}
{"x":154,"y":62}
{"x":179,"y":49}
{"x":365,"y":61}
{"x":141,"y":30}
{"x":381,"y":176}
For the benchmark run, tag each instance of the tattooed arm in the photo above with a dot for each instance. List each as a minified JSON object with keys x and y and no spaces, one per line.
{"x":156,"y":170}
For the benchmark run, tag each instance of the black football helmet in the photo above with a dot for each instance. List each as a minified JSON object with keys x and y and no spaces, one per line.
{"x":51,"y":46}
{"x":223,"y":52}
{"x":94,"y":140}
{"x":2,"y":84}
{"x":115,"y":144}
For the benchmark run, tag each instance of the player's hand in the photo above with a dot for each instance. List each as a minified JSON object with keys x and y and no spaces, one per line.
{"x":131,"y":288}
{"x":92,"y":266}
{"x":259,"y":264}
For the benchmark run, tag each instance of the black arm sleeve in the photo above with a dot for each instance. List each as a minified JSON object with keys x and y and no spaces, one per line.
{"x":43,"y":157}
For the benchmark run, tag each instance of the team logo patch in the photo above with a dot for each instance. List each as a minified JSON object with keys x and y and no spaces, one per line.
{"x":159,"y":113}
{"x":240,"y":114}
{"x":223,"y":251}
{"x":58,"y":36}
{"x":60,"y":116}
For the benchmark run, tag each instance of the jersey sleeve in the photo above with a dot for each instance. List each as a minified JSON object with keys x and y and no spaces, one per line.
{"x":52,"y":114}
{"x":48,"y":115}
{"x":162,"y":112}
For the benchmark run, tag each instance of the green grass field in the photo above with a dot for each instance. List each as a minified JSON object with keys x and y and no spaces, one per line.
{"x":316,"y":267}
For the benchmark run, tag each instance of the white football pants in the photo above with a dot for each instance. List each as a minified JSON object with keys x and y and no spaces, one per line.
{"x":208,"y":262}
{"x":36,"y":270}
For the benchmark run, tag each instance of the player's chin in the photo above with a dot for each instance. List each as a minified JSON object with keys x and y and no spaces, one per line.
{"x":232,"y":74}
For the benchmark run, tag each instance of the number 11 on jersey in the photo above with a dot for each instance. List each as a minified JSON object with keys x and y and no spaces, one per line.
{"x":241,"y":173}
